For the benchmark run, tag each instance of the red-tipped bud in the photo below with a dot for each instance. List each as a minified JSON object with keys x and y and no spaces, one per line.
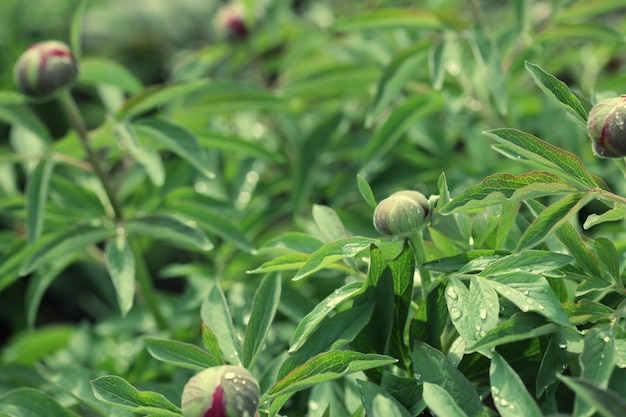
{"x":231,"y":23}
{"x":402,"y":213}
{"x":607,"y":128}
{"x":221,"y":391}
{"x":45,"y":68}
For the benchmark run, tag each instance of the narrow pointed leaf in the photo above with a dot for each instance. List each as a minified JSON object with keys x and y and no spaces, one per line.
{"x":607,"y":402}
{"x":390,"y":19}
{"x":37,"y":194}
{"x":180,"y":354}
{"x":559,"y":91}
{"x":116,"y":391}
{"x":366,"y":191}
{"x":94,"y":71}
{"x":177,"y":140}
{"x":546,"y":156}
{"x":216,"y":315}
{"x":264,"y":307}
{"x":121,"y":265}
{"x":508,"y":391}
{"x":551,"y":218}
{"x":169,"y":229}
{"x":504,"y":188}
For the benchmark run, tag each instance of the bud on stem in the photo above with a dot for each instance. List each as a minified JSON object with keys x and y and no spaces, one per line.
{"x":607,"y":127}
{"x":45,"y":68}
{"x":402,"y":213}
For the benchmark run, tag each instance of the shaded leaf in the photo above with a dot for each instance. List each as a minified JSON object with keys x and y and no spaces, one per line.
{"x":390,"y":19}
{"x":28,"y":402}
{"x":217,"y":317}
{"x":440,"y":402}
{"x":169,"y":229}
{"x":181,"y":354}
{"x":36,"y":196}
{"x":508,"y":391}
{"x":607,"y":402}
{"x":366,"y":192}
{"x":379,"y":402}
{"x":94,"y":71}
{"x":121,"y":265}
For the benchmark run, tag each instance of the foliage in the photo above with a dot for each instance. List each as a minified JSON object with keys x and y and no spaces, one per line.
{"x":223,"y":215}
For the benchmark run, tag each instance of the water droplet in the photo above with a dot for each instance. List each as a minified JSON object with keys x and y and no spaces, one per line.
{"x":504,"y":403}
{"x":606,"y":339}
{"x":478,"y":328}
{"x":526,"y":292}
{"x":530,"y":301}
{"x":451,"y":292}
{"x":495,"y":390}
{"x":455,"y":313}
{"x":541,"y":307}
{"x":313,"y":405}
{"x":417,"y":376}
{"x":563,"y":345}
{"x":482,"y":313}
{"x":229,"y":375}
{"x":619,"y":120}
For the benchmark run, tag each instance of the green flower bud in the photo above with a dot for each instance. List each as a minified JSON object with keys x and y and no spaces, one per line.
{"x":221,"y":391}
{"x":607,"y":128}
{"x":402,"y":213}
{"x":45,"y":68}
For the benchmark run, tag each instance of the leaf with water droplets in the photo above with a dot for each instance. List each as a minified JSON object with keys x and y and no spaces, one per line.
{"x":597,"y":363}
{"x":508,"y":391}
{"x":556,"y":358}
{"x":530,"y":292}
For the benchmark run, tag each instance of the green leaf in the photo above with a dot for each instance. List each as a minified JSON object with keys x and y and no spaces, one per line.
{"x":309,"y":323}
{"x":585,"y":311}
{"x":556,"y":358}
{"x":329,"y":223}
{"x":64,"y":244}
{"x":117,"y":392}
{"x":530,"y":292}
{"x":581,"y":30}
{"x":589,"y":8}
{"x":431,"y":365}
{"x":177,"y":140}
{"x":558,"y":90}
{"x":331,"y":253}
{"x":504,"y":188}
{"x":281,"y":263}
{"x":94,"y":71}
{"x":401,"y":118}
{"x":389,"y":18}
{"x":36,"y":196}
{"x":25,"y":118}
{"x":38,"y":285}
{"x":366,"y":191}
{"x":210,"y":220}
{"x":169,"y":229}
{"x":436,"y":64}
{"x":211,"y":344}
{"x":237,"y":145}
{"x":488,"y":57}
{"x":327,"y":367}
{"x":532,"y":261}
{"x":573,"y":241}
{"x":264,"y":307}
{"x":520,"y":326}
{"x":217,"y":317}
{"x":309,"y":152}
{"x":76,"y":31}
{"x":12,"y":260}
{"x":459,"y":262}
{"x":149,"y":159}
{"x":332,"y":334}
{"x":551,"y":219}
{"x":156,"y":96}
{"x":337,"y":81}
{"x":441,"y":402}
{"x":181,"y":354}
{"x":607,"y":402}
{"x":30,"y":347}
{"x":473,"y":312}
{"x":607,"y":254}
{"x":379,"y":402}
{"x":121,"y":265}
{"x":508,"y":391}
{"x":597,"y":362}
{"x":617,"y":213}
{"x":28,"y":402}
{"x":545,"y":156}
{"x":404,"y":66}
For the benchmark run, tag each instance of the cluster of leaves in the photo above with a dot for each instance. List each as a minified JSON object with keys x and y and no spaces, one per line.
{"x":517,"y":311}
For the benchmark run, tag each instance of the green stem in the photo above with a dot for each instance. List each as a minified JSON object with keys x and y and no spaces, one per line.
{"x":76,"y":121}
{"x":417,"y":244}
{"x":144,"y":280}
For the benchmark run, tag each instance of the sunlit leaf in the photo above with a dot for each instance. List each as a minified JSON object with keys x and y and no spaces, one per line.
{"x":180,"y":354}
{"x":508,"y":391}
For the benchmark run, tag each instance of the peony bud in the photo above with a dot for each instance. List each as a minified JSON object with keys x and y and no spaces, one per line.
{"x":45,"y":68}
{"x":231,"y":22}
{"x":401,"y":214}
{"x":221,"y":391}
{"x":607,"y":129}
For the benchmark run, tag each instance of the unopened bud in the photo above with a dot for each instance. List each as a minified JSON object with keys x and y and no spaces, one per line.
{"x":221,"y":391}
{"x":607,"y":128}
{"x":402,"y":213}
{"x":45,"y":68}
